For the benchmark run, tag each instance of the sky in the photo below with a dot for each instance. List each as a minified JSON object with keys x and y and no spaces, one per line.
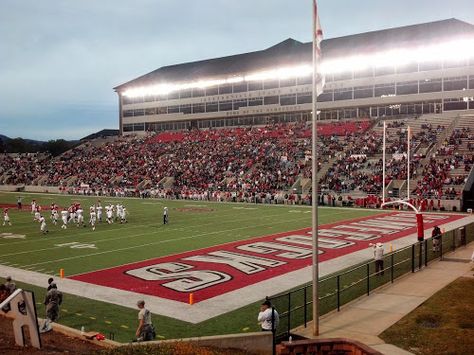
{"x":60,"y":59}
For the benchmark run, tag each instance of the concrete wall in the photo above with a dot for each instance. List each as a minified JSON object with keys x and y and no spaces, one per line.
{"x":47,"y":189}
{"x":10,"y":188}
{"x":30,"y":188}
{"x":260,"y":342}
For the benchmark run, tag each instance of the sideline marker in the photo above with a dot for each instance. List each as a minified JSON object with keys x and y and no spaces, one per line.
{"x":61,"y":273}
{"x":191,"y":299}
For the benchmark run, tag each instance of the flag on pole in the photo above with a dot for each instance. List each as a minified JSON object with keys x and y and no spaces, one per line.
{"x":317,"y":39}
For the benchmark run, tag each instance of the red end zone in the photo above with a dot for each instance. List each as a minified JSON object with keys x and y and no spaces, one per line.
{"x":224,"y":268}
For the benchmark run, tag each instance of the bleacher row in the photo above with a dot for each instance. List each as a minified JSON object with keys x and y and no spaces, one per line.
{"x":269,"y":160}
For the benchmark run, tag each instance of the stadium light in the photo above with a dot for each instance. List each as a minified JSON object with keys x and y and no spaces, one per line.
{"x":460,"y":49}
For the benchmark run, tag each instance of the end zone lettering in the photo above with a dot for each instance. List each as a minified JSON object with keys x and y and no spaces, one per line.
{"x":213,"y":271}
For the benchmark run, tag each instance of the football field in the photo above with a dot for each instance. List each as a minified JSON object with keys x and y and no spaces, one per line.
{"x":192,"y":225}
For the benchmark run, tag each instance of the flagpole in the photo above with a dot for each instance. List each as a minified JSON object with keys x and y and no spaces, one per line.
{"x":314,"y":184}
{"x":383,"y":161}
{"x":408,"y":162}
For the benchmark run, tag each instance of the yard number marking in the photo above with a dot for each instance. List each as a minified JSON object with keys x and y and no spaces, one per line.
{"x":77,"y":245}
{"x":12,"y":236}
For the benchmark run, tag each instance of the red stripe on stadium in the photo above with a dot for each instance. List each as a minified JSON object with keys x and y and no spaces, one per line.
{"x":216,"y":270}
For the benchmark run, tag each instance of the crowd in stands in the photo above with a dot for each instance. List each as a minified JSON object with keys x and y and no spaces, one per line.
{"x":248,"y":164}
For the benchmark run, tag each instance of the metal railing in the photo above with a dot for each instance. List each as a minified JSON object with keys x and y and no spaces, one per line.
{"x":336,"y":290}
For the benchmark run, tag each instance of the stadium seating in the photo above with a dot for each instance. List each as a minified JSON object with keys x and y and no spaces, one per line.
{"x":266,"y":162}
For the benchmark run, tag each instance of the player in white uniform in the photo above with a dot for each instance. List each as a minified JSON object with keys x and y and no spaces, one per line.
{"x":33,"y":206}
{"x":123,"y":214}
{"x":99,"y":213}
{"x":80,"y":217}
{"x":117,"y":211}
{"x":93,"y":219}
{"x":55,"y":216}
{"x":64,"y":217}
{"x":165,"y":215}
{"x":43,"y":227}
{"x":6,"y":217}
{"x":37,"y":214}
{"x":109,"y":212}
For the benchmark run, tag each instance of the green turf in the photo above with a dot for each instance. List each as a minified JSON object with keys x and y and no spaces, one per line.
{"x":144,"y":236}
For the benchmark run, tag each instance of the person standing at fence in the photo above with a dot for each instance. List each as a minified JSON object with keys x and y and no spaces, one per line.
{"x":268,"y":317}
{"x":378,"y":257}
{"x":436,"y":235}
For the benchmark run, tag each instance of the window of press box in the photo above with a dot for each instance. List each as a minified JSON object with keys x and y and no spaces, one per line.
{"x":455,"y":104}
{"x":286,"y":100}
{"x":304,"y":98}
{"x":407,"y":87}
{"x":326,"y":96}
{"x":199,"y":108}
{"x":361,"y":92}
{"x":343,"y":94}
{"x":431,"y":85}
{"x":384,"y":90}
{"x":173,"y":109}
{"x":212,"y":107}
{"x":256,"y":101}
{"x":225,"y":105}
{"x":185,"y":109}
{"x":161,"y":110}
{"x":271,"y":100}
{"x":455,"y":83}
{"x":139,"y":126}
{"x":239,"y":103}
{"x":150,"y":111}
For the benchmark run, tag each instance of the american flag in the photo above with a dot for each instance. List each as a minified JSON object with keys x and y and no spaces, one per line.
{"x":317,"y":39}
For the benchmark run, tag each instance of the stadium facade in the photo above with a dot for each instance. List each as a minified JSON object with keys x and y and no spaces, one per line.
{"x":411,"y":70}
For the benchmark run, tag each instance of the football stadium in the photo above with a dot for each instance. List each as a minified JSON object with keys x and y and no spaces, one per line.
{"x":201,"y":204}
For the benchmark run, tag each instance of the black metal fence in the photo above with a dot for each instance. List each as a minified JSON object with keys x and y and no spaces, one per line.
{"x":335,"y":290}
